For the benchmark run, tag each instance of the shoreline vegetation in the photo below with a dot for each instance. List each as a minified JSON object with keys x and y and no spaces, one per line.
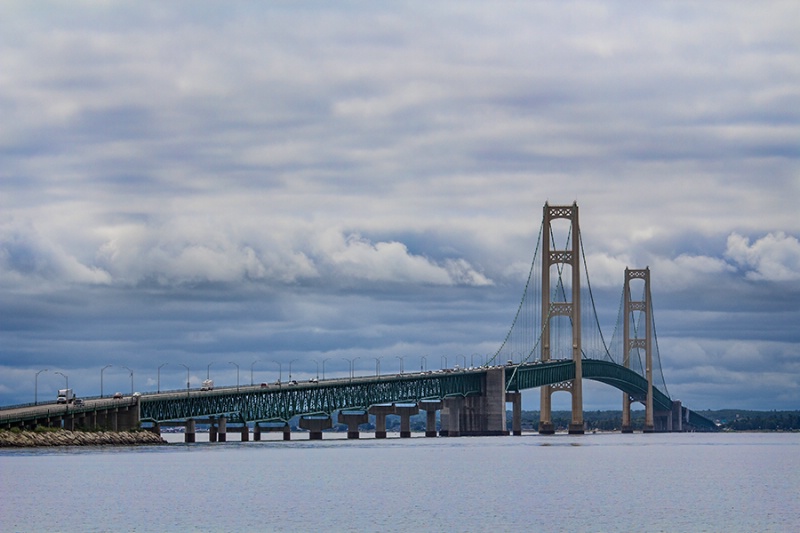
{"x":63,"y":437}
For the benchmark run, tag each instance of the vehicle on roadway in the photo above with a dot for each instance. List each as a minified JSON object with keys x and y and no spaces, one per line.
{"x":65,"y":396}
{"x":117,"y":395}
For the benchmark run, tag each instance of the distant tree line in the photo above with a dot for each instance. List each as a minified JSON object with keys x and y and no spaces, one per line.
{"x":740,"y":420}
{"x":727,"y":419}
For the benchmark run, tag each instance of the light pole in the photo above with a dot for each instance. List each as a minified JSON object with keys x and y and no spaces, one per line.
{"x":101,"y":378}
{"x":187,"y":377}
{"x":251,"y":370}
{"x":352,"y":363}
{"x":323,"y":368}
{"x":131,"y":371}
{"x":317,"y":363}
{"x":423,"y":362}
{"x":465,"y":358}
{"x":401,"y":357}
{"x":36,"y":387}
{"x":66,"y":379}
{"x":290,"y":368}
{"x":445,"y":361}
{"x":208,"y":370}
{"x":280,"y":371}
{"x":237,"y":375}
{"x":159,"y":376}
{"x":377,"y":366}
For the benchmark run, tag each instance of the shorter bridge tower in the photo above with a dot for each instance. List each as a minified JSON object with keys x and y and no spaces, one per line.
{"x":638,"y":343}
{"x":571,"y":309}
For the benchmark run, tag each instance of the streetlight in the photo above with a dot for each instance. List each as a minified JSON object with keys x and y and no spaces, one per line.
{"x":465,"y":358}
{"x":445,"y":361}
{"x":187,"y":377}
{"x":101,"y":378}
{"x":377,"y":366}
{"x":352,"y":363}
{"x":208,"y":370}
{"x":237,"y":375}
{"x":290,"y":368}
{"x":131,"y":371}
{"x":36,"y":387}
{"x":280,"y":371}
{"x":159,"y":376}
{"x":423,"y":362}
{"x":472,"y":359}
{"x":401,"y":357}
{"x":251,"y":370}
{"x":317,"y":363}
{"x":66,"y":379}
{"x":323,"y":368}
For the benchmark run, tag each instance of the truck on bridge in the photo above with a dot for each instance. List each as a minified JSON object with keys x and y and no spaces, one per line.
{"x":65,"y":396}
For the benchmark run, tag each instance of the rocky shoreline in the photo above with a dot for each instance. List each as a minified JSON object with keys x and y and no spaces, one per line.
{"x":63,"y":437}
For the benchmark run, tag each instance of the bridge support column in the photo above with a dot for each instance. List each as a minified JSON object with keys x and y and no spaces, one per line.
{"x":626,"y":413}
{"x":451,"y":416}
{"x":405,"y":411}
{"x":212,"y":430}
{"x":677,"y":418}
{"x":546,"y":426}
{"x":256,"y":432}
{"x":156,"y":428}
{"x":189,"y":432}
{"x":352,"y":419}
{"x":245,"y":433}
{"x":430,"y":407}
{"x":515,"y":398}
{"x":380,"y":412}
{"x":222,"y":431}
{"x":315,"y":425}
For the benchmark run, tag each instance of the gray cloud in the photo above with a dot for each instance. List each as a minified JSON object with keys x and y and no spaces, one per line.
{"x":196,"y":182}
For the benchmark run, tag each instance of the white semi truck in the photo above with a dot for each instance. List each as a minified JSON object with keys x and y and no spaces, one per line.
{"x":65,"y":396}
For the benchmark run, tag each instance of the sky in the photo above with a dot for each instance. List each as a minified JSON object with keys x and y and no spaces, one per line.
{"x":213,"y":187}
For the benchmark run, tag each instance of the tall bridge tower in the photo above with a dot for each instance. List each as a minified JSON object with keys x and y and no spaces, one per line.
{"x":636,"y":342}
{"x":571,"y":309}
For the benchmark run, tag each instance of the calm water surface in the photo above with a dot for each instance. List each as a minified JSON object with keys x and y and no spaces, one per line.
{"x":662,"y":482}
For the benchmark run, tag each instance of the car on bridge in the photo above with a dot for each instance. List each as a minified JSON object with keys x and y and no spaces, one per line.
{"x":117,"y":395}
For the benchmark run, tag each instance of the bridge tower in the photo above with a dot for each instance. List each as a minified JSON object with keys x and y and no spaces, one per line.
{"x":638,"y":343}
{"x":570,"y":309}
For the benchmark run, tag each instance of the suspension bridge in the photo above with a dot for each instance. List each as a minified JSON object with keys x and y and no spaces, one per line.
{"x":553,"y":344}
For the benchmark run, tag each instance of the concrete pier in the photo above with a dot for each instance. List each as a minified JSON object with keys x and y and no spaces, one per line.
{"x":353,"y":419}
{"x":430,"y":407}
{"x":222,"y":429}
{"x":189,"y":432}
{"x":515,"y":399}
{"x":380,"y":412}
{"x":315,"y":424}
{"x":406,"y":411}
{"x":451,"y":416}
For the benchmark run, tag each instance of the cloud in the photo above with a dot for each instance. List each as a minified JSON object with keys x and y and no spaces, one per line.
{"x":226,"y":181}
{"x":774,"y":257}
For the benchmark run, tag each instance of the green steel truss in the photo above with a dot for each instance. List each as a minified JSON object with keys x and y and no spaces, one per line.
{"x":282,"y":404}
{"x":305,"y":399}
{"x":529,"y":376}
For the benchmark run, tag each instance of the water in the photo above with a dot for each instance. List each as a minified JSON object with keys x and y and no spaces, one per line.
{"x":604,"y":482}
